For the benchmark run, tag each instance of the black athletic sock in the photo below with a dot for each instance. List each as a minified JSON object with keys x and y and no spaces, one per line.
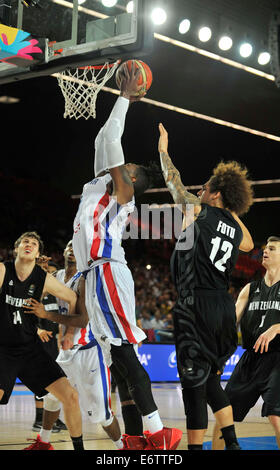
{"x":229,"y":435}
{"x":195,"y":447}
{"x":78,"y":443}
{"x":132,"y":420}
{"x":39,"y":415}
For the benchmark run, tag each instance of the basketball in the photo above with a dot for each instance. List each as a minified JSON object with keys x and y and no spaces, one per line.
{"x":145,"y":78}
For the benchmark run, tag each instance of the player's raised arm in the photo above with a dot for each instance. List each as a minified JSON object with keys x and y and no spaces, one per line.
{"x":171,"y":174}
{"x":108,"y":148}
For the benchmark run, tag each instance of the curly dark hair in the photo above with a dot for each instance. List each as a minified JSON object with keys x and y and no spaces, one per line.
{"x":148,"y":177}
{"x":231,"y":179}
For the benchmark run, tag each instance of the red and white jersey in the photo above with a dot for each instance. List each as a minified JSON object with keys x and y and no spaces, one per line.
{"x":99,"y":225}
{"x":83,"y":337}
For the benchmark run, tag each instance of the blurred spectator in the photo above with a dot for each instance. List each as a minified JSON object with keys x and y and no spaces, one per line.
{"x":165,"y":334}
{"x":146,"y":319}
{"x":157,"y":321}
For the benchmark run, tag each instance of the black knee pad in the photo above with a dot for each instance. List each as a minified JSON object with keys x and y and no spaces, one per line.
{"x":136,"y":377}
{"x":195,"y":402}
{"x":216,"y":396}
{"x":121,"y":384}
{"x":193,"y":367}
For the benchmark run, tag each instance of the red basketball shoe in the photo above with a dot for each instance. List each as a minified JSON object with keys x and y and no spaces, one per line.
{"x":38,"y":444}
{"x":133,"y":442}
{"x":166,"y":439}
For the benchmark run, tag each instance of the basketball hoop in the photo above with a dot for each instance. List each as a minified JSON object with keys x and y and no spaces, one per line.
{"x":81,"y":86}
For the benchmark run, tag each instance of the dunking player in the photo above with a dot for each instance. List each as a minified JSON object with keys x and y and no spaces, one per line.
{"x":82,"y":361}
{"x":21,"y":352}
{"x":258,"y":371}
{"x":204,"y":314}
{"x":105,"y":206}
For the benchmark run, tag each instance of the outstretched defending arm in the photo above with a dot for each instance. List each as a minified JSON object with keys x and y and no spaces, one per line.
{"x":172,"y":176}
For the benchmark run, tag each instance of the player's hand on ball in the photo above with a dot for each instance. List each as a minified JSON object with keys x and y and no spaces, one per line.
{"x":129,"y":83}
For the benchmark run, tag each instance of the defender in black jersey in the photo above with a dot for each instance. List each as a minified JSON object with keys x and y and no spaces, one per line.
{"x":204,"y":314}
{"x":257,"y":374}
{"x":21,"y":352}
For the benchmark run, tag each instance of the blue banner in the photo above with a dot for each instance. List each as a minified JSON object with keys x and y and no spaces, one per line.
{"x":159,"y":360}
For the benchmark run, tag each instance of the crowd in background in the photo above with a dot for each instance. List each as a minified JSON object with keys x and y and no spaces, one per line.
{"x":154,"y":291}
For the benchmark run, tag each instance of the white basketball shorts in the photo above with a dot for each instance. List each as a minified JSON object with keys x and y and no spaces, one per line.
{"x":88,"y":373}
{"x":110,"y":303}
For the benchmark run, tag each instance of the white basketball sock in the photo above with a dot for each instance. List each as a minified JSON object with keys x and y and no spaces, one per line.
{"x":152,"y":422}
{"x":45,"y":435}
{"x":119,"y":444}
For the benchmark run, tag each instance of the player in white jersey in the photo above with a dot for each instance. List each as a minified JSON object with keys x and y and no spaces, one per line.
{"x":82,"y":361}
{"x":97,"y":245}
{"x":110,"y":300}
{"x":102,"y":216}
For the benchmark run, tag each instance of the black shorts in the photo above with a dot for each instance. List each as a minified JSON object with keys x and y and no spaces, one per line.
{"x":255,"y":375}
{"x":51,"y":347}
{"x":35,"y":368}
{"x":205,"y":333}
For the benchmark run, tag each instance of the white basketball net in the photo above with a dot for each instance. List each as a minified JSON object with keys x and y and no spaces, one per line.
{"x":81,"y":86}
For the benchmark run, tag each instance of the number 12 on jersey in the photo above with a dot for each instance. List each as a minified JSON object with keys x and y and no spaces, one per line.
{"x":225,"y":247}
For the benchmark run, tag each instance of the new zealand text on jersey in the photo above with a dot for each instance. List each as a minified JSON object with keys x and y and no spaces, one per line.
{"x":15,"y":301}
{"x":264,"y":305}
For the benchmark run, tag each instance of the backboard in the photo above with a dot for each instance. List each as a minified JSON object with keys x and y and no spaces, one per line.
{"x":40,"y":37}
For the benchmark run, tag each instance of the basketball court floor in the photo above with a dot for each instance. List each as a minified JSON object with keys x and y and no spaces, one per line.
{"x":16,"y":420}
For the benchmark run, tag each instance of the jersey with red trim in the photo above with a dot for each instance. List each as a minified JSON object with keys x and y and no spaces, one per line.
{"x":99,"y":225}
{"x":83,"y":337}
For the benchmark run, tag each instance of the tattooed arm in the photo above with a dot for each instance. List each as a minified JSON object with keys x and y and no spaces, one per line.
{"x":172,"y":176}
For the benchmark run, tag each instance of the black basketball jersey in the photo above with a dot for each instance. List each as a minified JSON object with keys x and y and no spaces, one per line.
{"x":262,"y":311}
{"x":206,"y":251}
{"x":18,"y":329}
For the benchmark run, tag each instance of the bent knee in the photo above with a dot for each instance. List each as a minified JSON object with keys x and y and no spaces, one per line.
{"x":51,"y":403}
{"x":71,"y":397}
